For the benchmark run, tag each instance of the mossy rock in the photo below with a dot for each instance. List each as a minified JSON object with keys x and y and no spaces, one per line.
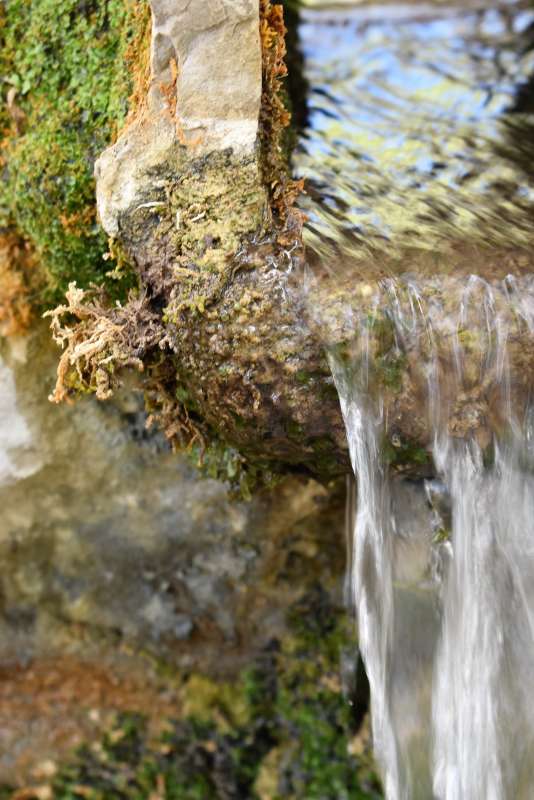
{"x":232,"y":368}
{"x":67,"y":73}
{"x":285,"y":729}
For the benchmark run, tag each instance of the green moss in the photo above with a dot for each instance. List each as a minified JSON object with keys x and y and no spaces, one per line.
{"x":294,"y":430}
{"x":222,"y":462}
{"x":387,"y":364}
{"x":214,"y":202}
{"x":65,"y":70}
{"x":442,"y":535}
{"x":284,"y":724}
{"x":398,"y":452}
{"x":390,"y":369}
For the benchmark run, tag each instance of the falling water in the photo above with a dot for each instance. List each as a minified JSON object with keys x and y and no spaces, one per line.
{"x":417,"y":154}
{"x":449,"y":647}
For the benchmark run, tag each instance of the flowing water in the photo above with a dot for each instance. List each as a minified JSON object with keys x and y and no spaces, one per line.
{"x":446,"y":619}
{"x":418,"y":128}
{"x":416,"y":152}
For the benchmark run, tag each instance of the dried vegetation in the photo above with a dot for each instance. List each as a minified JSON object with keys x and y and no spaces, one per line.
{"x":100,"y":340}
{"x":17,"y":273}
{"x":275,"y":118}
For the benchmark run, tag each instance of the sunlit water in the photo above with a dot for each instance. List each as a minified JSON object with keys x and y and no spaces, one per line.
{"x":419,"y":126}
{"x":418,"y":159}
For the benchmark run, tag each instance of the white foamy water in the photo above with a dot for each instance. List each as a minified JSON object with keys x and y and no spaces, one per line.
{"x":483,"y":718}
{"x":446,"y":618}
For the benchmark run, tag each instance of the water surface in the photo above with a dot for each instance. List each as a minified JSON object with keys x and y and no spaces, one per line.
{"x":419,"y":132}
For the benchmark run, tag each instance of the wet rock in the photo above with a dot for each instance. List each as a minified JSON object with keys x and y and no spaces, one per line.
{"x":113,"y":544}
{"x":183,"y":191}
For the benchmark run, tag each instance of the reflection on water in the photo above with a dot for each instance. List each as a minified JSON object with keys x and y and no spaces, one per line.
{"x":418,"y":126}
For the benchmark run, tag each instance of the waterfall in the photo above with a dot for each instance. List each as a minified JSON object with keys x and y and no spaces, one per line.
{"x":445,"y":602}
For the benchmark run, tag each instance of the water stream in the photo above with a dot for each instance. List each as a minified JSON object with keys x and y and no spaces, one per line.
{"x":418,"y":129}
{"x":449,"y":647}
{"x":420,"y":218}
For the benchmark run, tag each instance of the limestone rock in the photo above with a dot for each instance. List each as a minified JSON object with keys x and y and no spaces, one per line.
{"x":183,"y":190}
{"x":204,"y":94}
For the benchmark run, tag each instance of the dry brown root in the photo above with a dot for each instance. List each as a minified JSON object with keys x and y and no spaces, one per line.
{"x":99,"y":340}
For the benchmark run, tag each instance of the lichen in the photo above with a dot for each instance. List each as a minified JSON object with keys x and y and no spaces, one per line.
{"x":275,"y":118}
{"x":104,"y":339}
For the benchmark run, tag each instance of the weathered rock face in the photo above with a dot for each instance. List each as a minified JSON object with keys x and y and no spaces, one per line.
{"x":111,"y":544}
{"x":204,"y":94}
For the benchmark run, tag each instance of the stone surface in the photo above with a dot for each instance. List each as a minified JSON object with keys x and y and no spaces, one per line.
{"x":210,"y":51}
{"x":187,"y":203}
{"x":112,"y":543}
{"x":204,"y":94}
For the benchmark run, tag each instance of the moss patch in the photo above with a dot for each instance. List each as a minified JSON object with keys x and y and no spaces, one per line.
{"x":283,"y":731}
{"x":66,"y":78}
{"x":401,"y":453}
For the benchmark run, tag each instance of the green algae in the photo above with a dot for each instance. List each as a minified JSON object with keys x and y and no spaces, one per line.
{"x":65,"y":89}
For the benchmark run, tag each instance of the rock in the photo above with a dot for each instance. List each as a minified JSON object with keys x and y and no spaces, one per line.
{"x":183,"y":192}
{"x":113,"y":544}
{"x":204,"y":95}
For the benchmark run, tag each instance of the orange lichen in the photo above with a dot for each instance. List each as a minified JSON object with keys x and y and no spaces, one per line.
{"x":168,"y":90}
{"x":17,"y":261}
{"x":76,"y":222}
{"x":274,"y":116}
{"x":137,"y":60}
{"x":53,"y":705}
